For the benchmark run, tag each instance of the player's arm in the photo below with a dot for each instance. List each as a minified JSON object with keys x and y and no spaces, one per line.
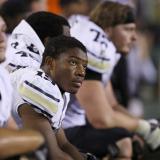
{"x":113,"y":101}
{"x":17,"y":142}
{"x":35,"y":120}
{"x":99,"y":112}
{"x":67,"y":147}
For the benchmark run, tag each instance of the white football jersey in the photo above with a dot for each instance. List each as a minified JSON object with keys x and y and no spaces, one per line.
{"x":36,"y":88}
{"x":6,"y":95}
{"x":75,"y":115}
{"x":102,"y":57}
{"x":24,"y":47}
{"x":101,"y":52}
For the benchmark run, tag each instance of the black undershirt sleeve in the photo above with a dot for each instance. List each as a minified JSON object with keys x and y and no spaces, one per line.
{"x":92,"y":75}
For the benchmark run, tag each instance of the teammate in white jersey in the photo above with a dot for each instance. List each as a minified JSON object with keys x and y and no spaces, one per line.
{"x":6,"y":91}
{"x":115,"y":22}
{"x":101,"y":61}
{"x":26,"y":44}
{"x":45,"y":92}
{"x":6,"y":97}
{"x":12,"y":141}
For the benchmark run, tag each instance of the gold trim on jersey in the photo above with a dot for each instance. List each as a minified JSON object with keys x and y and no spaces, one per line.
{"x":37,"y":98}
{"x":99,"y":65}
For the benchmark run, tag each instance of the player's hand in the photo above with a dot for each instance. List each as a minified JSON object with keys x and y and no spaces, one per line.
{"x":153,"y":138}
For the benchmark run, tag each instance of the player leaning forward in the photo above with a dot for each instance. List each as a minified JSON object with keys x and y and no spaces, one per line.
{"x":99,"y":31}
{"x":45,"y":93}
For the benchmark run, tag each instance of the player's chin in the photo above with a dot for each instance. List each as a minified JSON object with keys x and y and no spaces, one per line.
{"x":73,"y":90}
{"x":125,"y":52}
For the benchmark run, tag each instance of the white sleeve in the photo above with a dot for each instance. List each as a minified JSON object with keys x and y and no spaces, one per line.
{"x":6,"y":96}
{"x":37,"y":89}
{"x":41,"y":93}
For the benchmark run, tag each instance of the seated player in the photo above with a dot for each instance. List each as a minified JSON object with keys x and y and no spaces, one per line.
{"x":45,"y":92}
{"x":109,"y":29}
{"x":13,"y":142}
{"x":27,"y":41}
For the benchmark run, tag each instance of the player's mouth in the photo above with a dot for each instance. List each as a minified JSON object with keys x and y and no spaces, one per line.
{"x":77,"y":83}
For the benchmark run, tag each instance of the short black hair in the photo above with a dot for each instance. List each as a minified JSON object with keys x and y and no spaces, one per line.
{"x":47,"y":24}
{"x":58,"y":45}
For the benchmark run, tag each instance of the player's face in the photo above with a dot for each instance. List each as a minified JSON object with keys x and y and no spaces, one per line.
{"x":2,"y":39}
{"x":123,"y":36}
{"x":69,"y":70}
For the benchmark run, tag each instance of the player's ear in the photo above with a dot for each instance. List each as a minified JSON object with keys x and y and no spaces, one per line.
{"x":49,"y":61}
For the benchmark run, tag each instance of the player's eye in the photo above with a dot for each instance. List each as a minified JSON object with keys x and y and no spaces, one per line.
{"x":73,"y":62}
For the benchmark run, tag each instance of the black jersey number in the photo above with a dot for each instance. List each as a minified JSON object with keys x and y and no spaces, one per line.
{"x":43,"y":75}
{"x":22,"y":54}
{"x":99,"y":37}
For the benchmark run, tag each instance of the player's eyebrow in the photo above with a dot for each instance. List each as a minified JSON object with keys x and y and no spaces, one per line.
{"x":77,"y":58}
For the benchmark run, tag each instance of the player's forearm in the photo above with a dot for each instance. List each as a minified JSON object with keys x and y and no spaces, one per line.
{"x":59,"y":155}
{"x":125,"y":121}
{"x":73,"y":151}
{"x":23,"y":141}
{"x":54,"y":151}
{"x":113,"y":119}
{"x":121,"y":109}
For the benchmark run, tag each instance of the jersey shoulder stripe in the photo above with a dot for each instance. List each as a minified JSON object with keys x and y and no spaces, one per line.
{"x":98,"y":57}
{"x":31,"y":94}
{"x":41,"y":91}
{"x":42,"y":111}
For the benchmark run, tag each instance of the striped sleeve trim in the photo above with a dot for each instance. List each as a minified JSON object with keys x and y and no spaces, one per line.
{"x":98,"y":57}
{"x":42,"y":111}
{"x":34,"y":97}
{"x":98,"y":66}
{"x":41,"y":91}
